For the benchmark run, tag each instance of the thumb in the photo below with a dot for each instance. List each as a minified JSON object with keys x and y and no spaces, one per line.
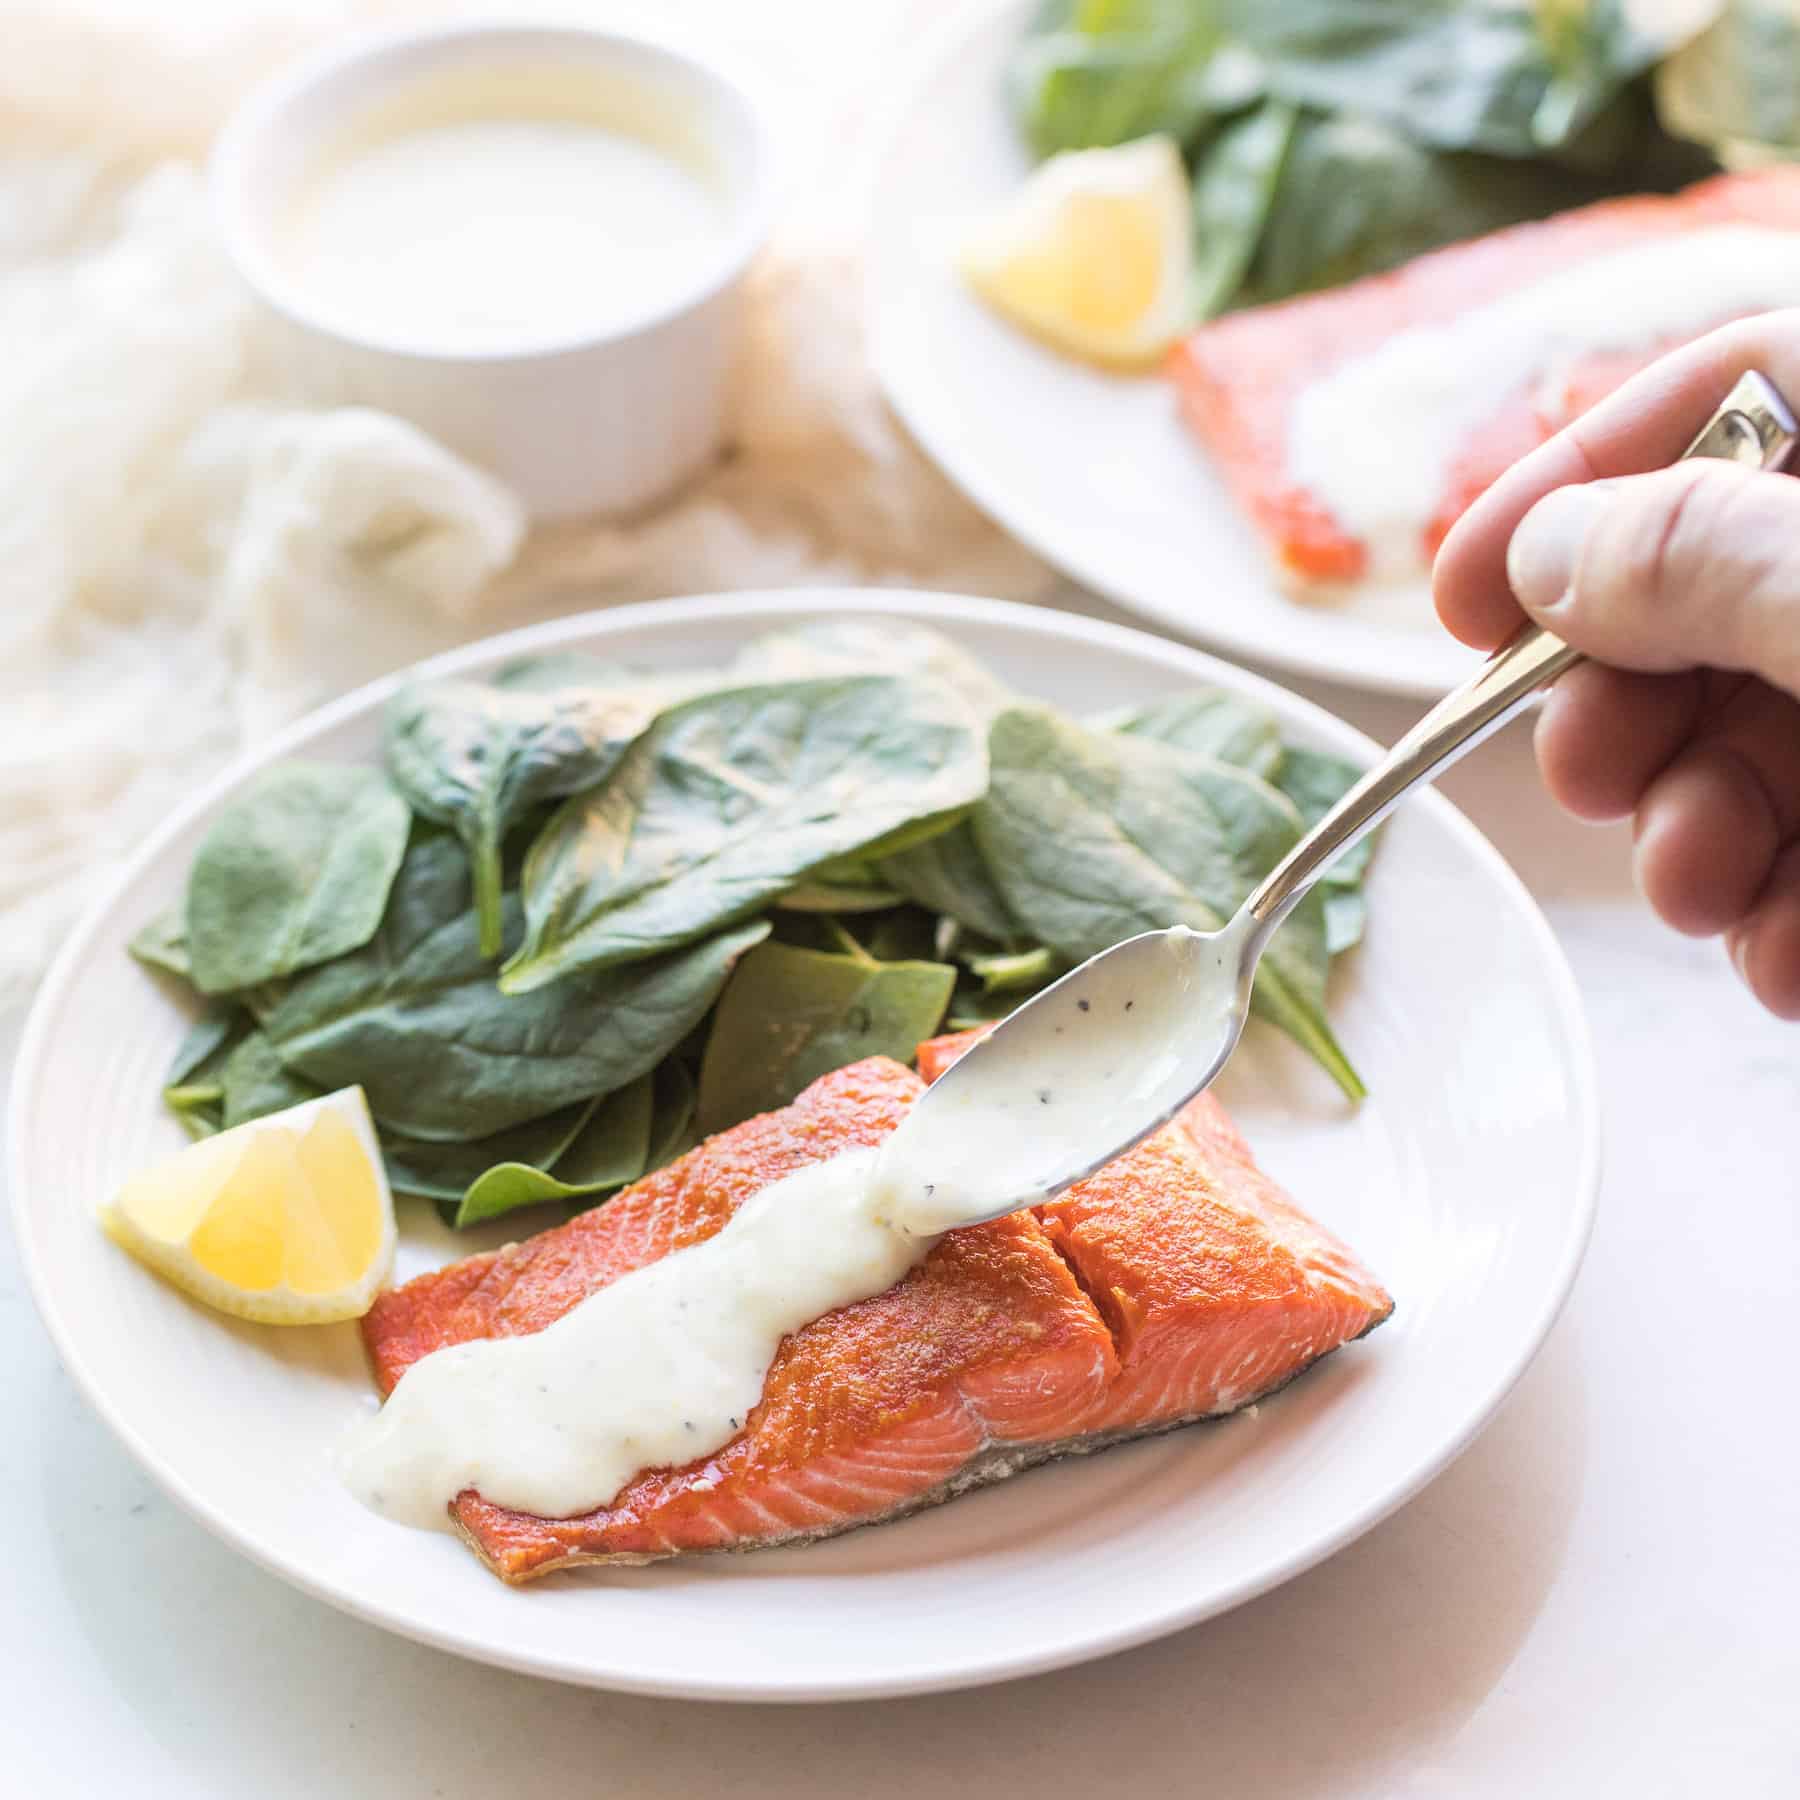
{"x":1693,"y":566}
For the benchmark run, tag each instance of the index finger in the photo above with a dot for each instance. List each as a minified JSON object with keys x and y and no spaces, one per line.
{"x":1645,"y":425}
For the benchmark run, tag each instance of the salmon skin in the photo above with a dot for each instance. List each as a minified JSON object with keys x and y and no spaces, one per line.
{"x":1177,"y":1284}
{"x":1238,"y":377}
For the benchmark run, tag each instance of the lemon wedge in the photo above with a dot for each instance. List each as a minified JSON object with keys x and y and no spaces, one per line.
{"x":1094,"y":253}
{"x":286,"y":1220}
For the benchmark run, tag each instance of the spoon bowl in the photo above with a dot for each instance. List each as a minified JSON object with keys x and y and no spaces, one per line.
{"x":1095,"y":1062}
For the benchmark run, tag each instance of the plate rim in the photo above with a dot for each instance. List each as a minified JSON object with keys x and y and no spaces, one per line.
{"x":947,"y":611}
{"x":1432,"y":665}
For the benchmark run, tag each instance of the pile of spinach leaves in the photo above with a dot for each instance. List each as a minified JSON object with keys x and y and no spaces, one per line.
{"x":1329,"y":141}
{"x":583,"y":915}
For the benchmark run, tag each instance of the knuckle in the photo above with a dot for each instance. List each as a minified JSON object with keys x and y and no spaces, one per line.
{"x":1645,"y":548}
{"x":1708,"y":552}
{"x":1681,"y":535}
{"x":1762,"y":630}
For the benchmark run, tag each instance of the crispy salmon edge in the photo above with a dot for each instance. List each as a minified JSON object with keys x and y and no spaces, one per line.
{"x":995,"y":1464}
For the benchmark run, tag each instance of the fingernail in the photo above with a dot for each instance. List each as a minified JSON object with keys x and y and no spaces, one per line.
{"x":1739,"y":945}
{"x":1546,"y":547}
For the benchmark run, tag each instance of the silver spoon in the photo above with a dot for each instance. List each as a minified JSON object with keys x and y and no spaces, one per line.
{"x":1116,"y":1048}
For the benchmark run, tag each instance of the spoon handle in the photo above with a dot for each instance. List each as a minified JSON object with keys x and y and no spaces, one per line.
{"x":1753,"y":426}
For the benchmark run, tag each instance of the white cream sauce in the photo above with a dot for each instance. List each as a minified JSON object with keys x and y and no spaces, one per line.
{"x":659,"y":1368}
{"x":665,"y":1365}
{"x":468,"y":219}
{"x":1375,"y":438}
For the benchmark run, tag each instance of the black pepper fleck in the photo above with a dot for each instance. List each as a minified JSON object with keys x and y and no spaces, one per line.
{"x":1043,"y":1096}
{"x":1085,"y":1005}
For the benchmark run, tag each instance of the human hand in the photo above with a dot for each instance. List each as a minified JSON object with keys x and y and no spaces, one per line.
{"x":1682,"y":584}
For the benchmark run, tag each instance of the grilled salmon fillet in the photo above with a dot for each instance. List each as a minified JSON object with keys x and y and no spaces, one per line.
{"x":1239,"y":376}
{"x":1176,"y":1284}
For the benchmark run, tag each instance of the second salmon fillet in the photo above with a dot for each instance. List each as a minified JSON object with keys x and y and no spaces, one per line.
{"x":1240,"y":377}
{"x":1176,"y":1284}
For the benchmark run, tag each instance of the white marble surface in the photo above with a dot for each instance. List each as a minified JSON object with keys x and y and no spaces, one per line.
{"x":1600,"y":1597}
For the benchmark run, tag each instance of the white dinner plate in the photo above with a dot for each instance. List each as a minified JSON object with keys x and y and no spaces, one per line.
{"x":1466,"y":1181}
{"x":1094,"y":471}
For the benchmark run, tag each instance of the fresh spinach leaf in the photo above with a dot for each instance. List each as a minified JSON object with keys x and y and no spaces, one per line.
{"x":906,"y":934}
{"x":202,"y":1120}
{"x":260,"y":1001}
{"x":446,"y":1171}
{"x":607,"y":1153}
{"x":1356,"y":137}
{"x":850,"y":884}
{"x":1596,"y":47}
{"x":477,"y":756}
{"x":790,"y":1015}
{"x":1098,"y":72}
{"x":1346,"y":913}
{"x":1503,"y":77}
{"x":729,"y":800}
{"x":416,"y":1019}
{"x":208,"y":1041}
{"x":1457,"y":74}
{"x":1235,"y":181}
{"x":1095,"y":838}
{"x":1210,"y":722}
{"x":162,"y":943}
{"x":1141,"y":833}
{"x":947,"y":874}
{"x":1736,"y":87}
{"x":981,"y":1000}
{"x":257,"y":1082}
{"x":1359,"y":195}
{"x":293,"y":871}
{"x":862,"y":646}
{"x":672,"y":1127}
{"x":1316,"y":782}
{"x":612,"y":1149}
{"x":903,"y":933}
{"x":1010,"y":971}
{"x":972,"y":1005}
{"x":194,"y":1088}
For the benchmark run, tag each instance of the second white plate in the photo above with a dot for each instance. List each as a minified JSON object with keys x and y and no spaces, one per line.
{"x":1466,"y":1181}
{"x":1095,"y":472}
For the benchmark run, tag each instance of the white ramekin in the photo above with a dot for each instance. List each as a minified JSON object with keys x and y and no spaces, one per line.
{"x":604,"y":422}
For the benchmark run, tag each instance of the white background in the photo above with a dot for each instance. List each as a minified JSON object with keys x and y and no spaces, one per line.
{"x":1602,"y":1596}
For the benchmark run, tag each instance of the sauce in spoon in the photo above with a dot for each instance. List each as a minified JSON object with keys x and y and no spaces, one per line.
{"x":1095,"y":1061}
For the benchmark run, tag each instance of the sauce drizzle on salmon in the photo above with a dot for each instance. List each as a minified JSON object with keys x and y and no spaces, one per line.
{"x":1178,"y":1283}
{"x":1240,"y":378}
